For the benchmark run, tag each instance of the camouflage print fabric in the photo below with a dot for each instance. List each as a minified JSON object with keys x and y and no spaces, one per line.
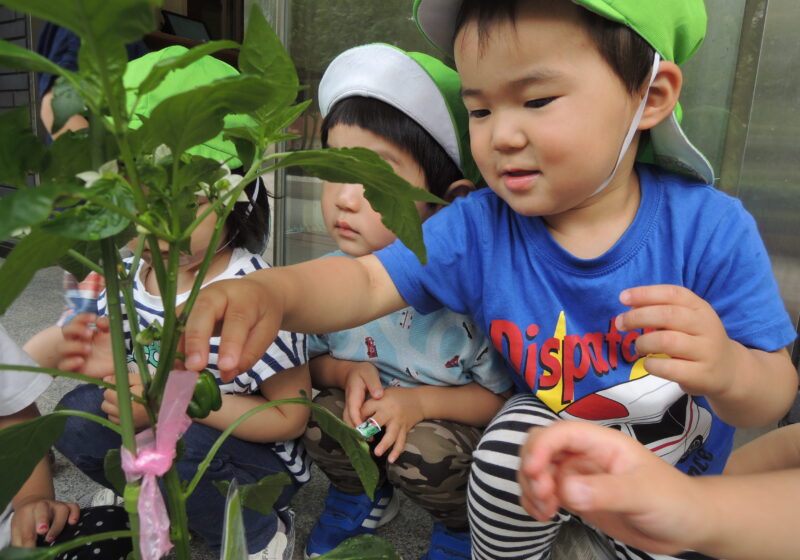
{"x":432,"y":471}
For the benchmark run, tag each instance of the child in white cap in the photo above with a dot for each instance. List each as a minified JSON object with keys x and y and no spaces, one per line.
{"x":622,"y":287}
{"x":430,"y":383}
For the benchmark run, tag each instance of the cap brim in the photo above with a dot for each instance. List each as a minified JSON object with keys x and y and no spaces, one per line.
{"x":388,"y":74}
{"x":672,"y":150}
{"x":436,"y":20}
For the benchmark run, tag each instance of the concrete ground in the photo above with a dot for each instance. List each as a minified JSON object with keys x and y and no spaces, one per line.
{"x":40,"y":305}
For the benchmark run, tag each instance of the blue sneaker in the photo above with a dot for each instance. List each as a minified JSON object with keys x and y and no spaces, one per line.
{"x":349,"y":515}
{"x":448,"y":545}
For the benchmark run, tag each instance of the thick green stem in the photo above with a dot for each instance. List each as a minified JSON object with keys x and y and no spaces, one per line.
{"x":110,"y":262}
{"x":177,"y":509}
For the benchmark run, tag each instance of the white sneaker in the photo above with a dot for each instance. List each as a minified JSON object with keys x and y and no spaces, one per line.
{"x":105,"y":497}
{"x":281,"y":547}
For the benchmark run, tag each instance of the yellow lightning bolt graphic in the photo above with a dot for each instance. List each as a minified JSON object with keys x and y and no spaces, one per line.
{"x":552,"y":397}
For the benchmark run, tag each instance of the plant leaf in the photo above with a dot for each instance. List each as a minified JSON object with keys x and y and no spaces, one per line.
{"x":163,"y":67}
{"x":195,"y":116}
{"x":37,"y":250}
{"x":91,"y":222}
{"x":363,"y":547}
{"x":21,"y":447}
{"x":104,"y":22}
{"x":21,"y":152}
{"x":28,"y":206}
{"x":19,"y":58}
{"x":112,"y":468}
{"x":260,"y":496}
{"x":234,"y":543}
{"x":263,"y":53}
{"x":353,"y":444}
{"x":390,"y":195}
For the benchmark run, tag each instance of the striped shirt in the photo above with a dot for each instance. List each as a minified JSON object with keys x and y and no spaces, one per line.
{"x":288,"y":350}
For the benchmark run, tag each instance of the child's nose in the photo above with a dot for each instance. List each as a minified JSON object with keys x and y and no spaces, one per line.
{"x":350,"y":196}
{"x":507,"y":134}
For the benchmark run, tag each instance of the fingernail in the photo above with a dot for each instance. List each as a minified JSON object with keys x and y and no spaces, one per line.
{"x":619,"y":323}
{"x":625,"y":296}
{"x":49,"y":539}
{"x":225,"y":362}
{"x":42,"y":528}
{"x":579,"y":494}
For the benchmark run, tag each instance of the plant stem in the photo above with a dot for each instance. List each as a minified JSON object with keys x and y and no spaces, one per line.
{"x":110,"y":261}
{"x":177,"y":508}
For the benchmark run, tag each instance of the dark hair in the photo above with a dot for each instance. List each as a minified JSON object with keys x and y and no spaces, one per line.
{"x":625,"y":51}
{"x":401,"y":130}
{"x":248,"y":222}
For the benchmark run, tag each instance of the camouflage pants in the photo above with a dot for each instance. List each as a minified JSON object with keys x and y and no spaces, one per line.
{"x":432,"y":471}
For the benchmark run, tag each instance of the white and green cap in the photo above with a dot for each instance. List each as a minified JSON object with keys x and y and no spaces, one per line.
{"x":674,"y":28}
{"x":418,"y":85}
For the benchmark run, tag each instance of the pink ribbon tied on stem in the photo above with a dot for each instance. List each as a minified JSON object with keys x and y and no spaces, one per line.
{"x":156,"y":451}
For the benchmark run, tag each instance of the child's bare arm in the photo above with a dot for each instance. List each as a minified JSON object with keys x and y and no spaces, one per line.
{"x":775,"y":450}
{"x":745,"y":387}
{"x":36,"y":512}
{"x":402,"y":408}
{"x":619,"y":486}
{"x":322,"y":295}
{"x":277,"y":423}
{"x":43,"y":346}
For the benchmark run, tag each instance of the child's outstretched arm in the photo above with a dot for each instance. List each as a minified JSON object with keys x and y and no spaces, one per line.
{"x":36,"y":511}
{"x":618,"y":486}
{"x":318,"y":296}
{"x":745,"y":387}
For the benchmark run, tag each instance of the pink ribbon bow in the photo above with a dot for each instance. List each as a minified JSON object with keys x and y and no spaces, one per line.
{"x":156,"y":453}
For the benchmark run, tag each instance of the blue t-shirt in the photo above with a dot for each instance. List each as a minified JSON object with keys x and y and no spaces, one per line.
{"x":410,"y":349}
{"x":551,"y":314}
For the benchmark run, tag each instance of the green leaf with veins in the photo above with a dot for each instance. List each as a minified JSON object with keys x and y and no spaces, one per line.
{"x":390,"y":195}
{"x":91,"y":222}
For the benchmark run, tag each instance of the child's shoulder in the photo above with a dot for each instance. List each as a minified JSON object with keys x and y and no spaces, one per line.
{"x":687,"y":196}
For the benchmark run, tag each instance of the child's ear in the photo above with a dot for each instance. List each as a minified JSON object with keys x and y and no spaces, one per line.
{"x":457,"y":189}
{"x":663,"y":95}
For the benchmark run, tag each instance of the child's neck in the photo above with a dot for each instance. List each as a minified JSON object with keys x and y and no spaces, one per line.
{"x":590,"y":230}
{"x":188,"y":272}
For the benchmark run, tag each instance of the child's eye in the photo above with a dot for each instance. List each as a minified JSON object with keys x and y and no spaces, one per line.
{"x":479,"y":113}
{"x":538,"y":103}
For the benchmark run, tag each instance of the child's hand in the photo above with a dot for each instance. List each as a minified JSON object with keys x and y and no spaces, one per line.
{"x":397,"y":412}
{"x":41,"y":516}
{"x":111,"y":402}
{"x":85,"y":349}
{"x":689,"y":331}
{"x":611,"y":481}
{"x":237,"y":311}
{"x":362,"y":380}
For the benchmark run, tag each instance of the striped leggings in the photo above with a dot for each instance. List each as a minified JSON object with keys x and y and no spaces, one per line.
{"x":501,"y":529}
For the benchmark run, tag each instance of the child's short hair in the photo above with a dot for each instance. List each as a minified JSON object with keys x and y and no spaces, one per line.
{"x":625,"y":51}
{"x":392,"y":124}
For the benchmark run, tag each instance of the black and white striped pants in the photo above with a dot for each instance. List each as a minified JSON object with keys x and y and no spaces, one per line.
{"x":501,"y":529}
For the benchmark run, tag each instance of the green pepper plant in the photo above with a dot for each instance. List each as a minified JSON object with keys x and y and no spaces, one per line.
{"x":91,"y":200}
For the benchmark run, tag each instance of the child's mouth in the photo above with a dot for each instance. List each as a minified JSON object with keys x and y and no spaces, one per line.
{"x":516,"y":180}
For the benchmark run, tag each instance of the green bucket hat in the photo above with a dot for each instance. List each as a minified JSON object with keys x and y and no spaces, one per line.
{"x":419,"y":85}
{"x":199,"y":73}
{"x":675,"y":29}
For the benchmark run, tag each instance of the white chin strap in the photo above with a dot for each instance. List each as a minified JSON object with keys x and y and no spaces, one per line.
{"x":634,"y":126}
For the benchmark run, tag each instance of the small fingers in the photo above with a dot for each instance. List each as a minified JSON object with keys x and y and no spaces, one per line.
{"x":666,"y":317}
{"x":659,"y":294}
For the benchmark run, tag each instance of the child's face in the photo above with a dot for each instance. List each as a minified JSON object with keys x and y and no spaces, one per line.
{"x":349,"y":218}
{"x":547,"y":113}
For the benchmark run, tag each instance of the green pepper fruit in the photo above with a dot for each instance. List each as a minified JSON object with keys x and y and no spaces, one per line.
{"x":206,"y":396}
